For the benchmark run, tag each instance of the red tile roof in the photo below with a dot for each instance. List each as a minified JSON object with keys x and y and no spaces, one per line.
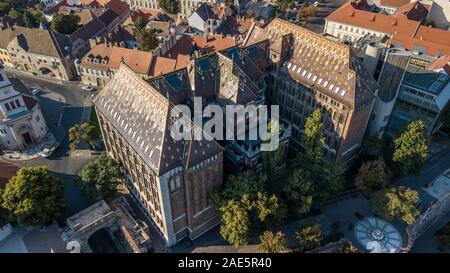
{"x":205,"y":45}
{"x":146,"y":14}
{"x":7,"y":171}
{"x":435,"y":41}
{"x":394,"y":3}
{"x":139,"y":61}
{"x":350,"y":15}
{"x":414,"y":11}
{"x":440,"y":63}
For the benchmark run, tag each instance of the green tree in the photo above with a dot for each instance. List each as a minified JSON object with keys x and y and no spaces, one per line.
{"x":33,"y":196}
{"x":236,"y":186}
{"x":273,"y":243}
{"x":347,"y":248}
{"x":372,"y":176}
{"x":13,"y":13}
{"x":411,"y":147}
{"x":146,"y":39}
{"x":235,"y":223}
{"x":299,"y":191}
{"x":309,"y":237}
{"x":306,"y":11}
{"x":139,"y":23}
{"x":273,"y":160}
{"x":373,"y":146}
{"x":169,"y":6}
{"x":397,"y":203}
{"x":265,"y":205}
{"x":4,"y":8}
{"x":29,"y":20}
{"x":86,"y":132}
{"x":313,"y":138}
{"x":246,"y":192}
{"x":443,"y":235}
{"x":65,"y":24}
{"x":99,"y":178}
{"x":329,"y":180}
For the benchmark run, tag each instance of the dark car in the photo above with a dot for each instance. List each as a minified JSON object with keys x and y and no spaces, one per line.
{"x":98,"y":146}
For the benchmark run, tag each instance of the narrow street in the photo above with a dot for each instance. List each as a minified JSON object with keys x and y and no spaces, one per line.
{"x":60,"y":117}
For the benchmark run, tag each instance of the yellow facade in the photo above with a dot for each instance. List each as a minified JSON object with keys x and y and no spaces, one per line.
{"x":5,"y":58}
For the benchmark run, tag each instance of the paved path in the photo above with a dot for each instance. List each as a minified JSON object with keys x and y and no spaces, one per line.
{"x":60,"y":117}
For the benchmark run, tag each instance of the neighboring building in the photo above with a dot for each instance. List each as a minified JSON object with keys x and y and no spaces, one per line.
{"x":101,"y":63}
{"x":412,"y":86}
{"x":38,"y":51}
{"x":206,"y":18}
{"x":142,"y":4}
{"x":390,"y":6}
{"x":107,"y":16}
{"x":172,"y":181}
{"x":48,"y":4}
{"x":235,"y":26}
{"x":261,"y":10}
{"x":308,"y":71}
{"x":355,"y":19}
{"x":440,"y":14}
{"x":196,"y":46}
{"x":21,"y":121}
{"x":6,"y":22}
{"x":187,"y":7}
{"x":423,"y":94}
{"x":5,"y":34}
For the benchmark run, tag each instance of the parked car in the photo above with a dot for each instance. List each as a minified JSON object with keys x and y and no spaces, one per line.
{"x":46,"y":153}
{"x":98,"y":146}
{"x":88,"y":88}
{"x":35,"y":91}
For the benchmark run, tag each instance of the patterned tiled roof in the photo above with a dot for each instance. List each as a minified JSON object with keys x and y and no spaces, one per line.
{"x":140,"y":111}
{"x":322,"y":64}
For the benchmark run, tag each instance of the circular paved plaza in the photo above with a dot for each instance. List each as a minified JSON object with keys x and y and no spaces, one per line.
{"x":378,"y":236}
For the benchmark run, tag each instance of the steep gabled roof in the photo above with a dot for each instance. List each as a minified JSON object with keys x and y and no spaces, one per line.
{"x":140,"y":111}
{"x":38,"y":41}
{"x":322,"y":64}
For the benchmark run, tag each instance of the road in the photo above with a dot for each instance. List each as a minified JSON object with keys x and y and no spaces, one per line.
{"x":65,"y":164}
{"x":317,"y":23}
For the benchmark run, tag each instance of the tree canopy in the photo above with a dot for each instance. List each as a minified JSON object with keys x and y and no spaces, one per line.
{"x":235,"y":223}
{"x":33,"y":196}
{"x":243,"y":195}
{"x":146,"y":39}
{"x":99,"y":178}
{"x":313,"y":138}
{"x":65,"y":23}
{"x":273,"y":243}
{"x":400,"y":203}
{"x":170,"y":6}
{"x":309,"y":237}
{"x":411,"y":147}
{"x":306,"y":11}
{"x":86,"y":131}
{"x":299,"y":191}
{"x":373,"y":175}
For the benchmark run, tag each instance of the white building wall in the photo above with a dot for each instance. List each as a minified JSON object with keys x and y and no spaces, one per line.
{"x":195,"y":21}
{"x":349,"y":33}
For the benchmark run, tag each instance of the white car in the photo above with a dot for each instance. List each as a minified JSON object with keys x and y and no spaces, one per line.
{"x":35,"y":91}
{"x":46,"y":153}
{"x":88,"y":88}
